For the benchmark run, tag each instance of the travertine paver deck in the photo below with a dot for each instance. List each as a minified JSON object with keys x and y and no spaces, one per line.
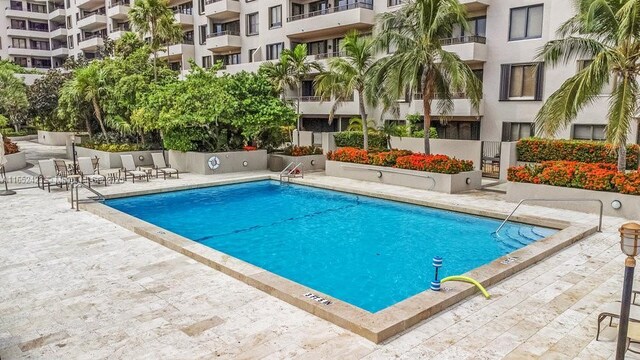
{"x":77,"y":286}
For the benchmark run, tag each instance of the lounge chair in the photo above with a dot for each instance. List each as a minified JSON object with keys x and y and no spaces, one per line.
{"x":159,"y":165}
{"x":49,"y":175}
{"x":612,"y":311}
{"x":88,"y":172}
{"x":130,"y":169}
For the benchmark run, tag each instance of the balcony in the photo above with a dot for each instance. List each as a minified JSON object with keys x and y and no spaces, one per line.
{"x":471,"y":49}
{"x":93,"y":22}
{"x":24,"y":13}
{"x":461,"y":106}
{"x":475,"y":5}
{"x":224,"y":41}
{"x":118,"y":10}
{"x":60,"y":51}
{"x":184,"y":17}
{"x":91,"y":43}
{"x":177,"y":52}
{"x":359,"y":16}
{"x":58,"y":33}
{"x":221,"y":10}
{"x":89,"y":4}
{"x":31,"y":32}
{"x":58,"y":15}
{"x":16,"y":51}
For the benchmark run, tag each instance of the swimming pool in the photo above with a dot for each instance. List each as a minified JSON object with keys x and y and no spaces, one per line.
{"x":368,"y":252}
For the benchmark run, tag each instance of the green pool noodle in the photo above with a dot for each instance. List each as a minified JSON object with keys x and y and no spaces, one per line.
{"x":467,"y":280}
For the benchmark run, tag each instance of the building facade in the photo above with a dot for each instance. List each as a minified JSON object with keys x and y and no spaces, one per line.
{"x":501,"y":47}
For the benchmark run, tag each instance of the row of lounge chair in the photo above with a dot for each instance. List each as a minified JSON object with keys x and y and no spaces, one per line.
{"x":57,"y":173}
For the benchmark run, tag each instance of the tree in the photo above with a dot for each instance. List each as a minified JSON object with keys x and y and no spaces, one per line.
{"x":88,"y":84}
{"x":350,"y":73}
{"x":607,"y":31}
{"x":13,"y":98}
{"x":43,"y":97}
{"x":419,"y":64}
{"x":127,"y":44}
{"x":293,"y":67}
{"x":155,"y":18}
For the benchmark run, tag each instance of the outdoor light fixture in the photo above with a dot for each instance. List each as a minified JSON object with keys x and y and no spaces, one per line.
{"x":141,"y":158}
{"x":313,"y":162}
{"x":629,"y":243}
{"x":468,"y":181}
{"x":379,"y":174}
{"x":616,"y":204}
{"x":74,"y":154}
{"x":245,"y":163}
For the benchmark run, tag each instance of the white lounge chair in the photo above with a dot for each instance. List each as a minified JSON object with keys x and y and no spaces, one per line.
{"x":612,"y":311}
{"x":159,"y":165}
{"x":130,"y":169}
{"x":49,"y":175}
{"x":88,"y":172}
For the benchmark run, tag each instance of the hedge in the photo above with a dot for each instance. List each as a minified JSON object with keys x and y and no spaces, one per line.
{"x":589,"y":176}
{"x":539,"y":150}
{"x":402,"y":159}
{"x":355,"y":139}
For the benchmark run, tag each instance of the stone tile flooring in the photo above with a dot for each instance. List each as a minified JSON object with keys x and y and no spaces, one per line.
{"x":77,"y":286}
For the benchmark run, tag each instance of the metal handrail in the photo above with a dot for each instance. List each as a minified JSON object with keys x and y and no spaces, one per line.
{"x":77,"y":185}
{"x":293,"y":171}
{"x":565,"y":199}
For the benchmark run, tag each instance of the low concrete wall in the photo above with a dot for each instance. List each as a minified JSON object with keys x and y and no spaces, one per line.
{"x":53,"y":138}
{"x":15,"y":161}
{"x":508,"y":158}
{"x":277,"y":162}
{"x":444,"y":183}
{"x":306,"y":138}
{"x":630,"y":203}
{"x":328,"y":142}
{"x":112,"y":160}
{"x":24,"y":138}
{"x":459,"y":149}
{"x":233,"y":161}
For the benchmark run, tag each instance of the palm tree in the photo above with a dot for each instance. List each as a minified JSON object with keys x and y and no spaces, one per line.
{"x":348,"y":74}
{"x":154,"y":17}
{"x":419,"y":64}
{"x":606,"y":31}
{"x":289,"y":72}
{"x":88,"y":84}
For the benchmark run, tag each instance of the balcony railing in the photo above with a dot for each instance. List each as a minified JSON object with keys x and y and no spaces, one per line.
{"x":331,"y":10}
{"x":57,"y":7}
{"x":186,"y":11}
{"x":328,"y":55}
{"x":207,"y":2}
{"x":89,"y":37}
{"x":34,"y":47}
{"x":183,"y":42}
{"x":464,"y":40}
{"x":30,"y":28}
{"x":457,"y":95}
{"x":119,"y":2}
{"x":59,"y":46}
{"x":86,"y":15}
{"x":120,"y":28}
{"x":223,"y":33}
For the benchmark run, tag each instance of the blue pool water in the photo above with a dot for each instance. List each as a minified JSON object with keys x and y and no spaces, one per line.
{"x":368,"y":252}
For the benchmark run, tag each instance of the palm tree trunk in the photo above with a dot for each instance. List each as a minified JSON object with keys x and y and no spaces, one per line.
{"x":427,"y":96}
{"x":298,"y":124}
{"x":96,"y":110}
{"x":363,"y":117}
{"x":622,"y":157}
{"x":88,"y":125}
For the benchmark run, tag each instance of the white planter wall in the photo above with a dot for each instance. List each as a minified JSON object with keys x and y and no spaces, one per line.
{"x":16,"y":161}
{"x":53,"y":138}
{"x":445,"y":183}
{"x":277,"y":162}
{"x":109,"y":160}
{"x":459,"y":149}
{"x":630,"y":203}
{"x":233,"y":161}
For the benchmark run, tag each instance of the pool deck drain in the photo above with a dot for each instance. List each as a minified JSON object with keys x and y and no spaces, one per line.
{"x":375,"y":327}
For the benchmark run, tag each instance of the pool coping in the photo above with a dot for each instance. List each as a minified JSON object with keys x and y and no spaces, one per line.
{"x":375,"y":327}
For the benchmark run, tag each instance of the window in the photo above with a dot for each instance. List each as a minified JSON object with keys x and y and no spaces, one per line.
{"x":307,"y":89}
{"x":526,"y":22}
{"x":297,"y":9}
{"x":19,"y":43}
{"x":69,"y":22}
{"x":203,"y":34}
{"x":18,"y":24}
{"x":317,"y":47}
{"x":588,"y":132}
{"x":22,"y":61}
{"x":275,"y":17}
{"x":201,"y":7}
{"x":477,"y":27}
{"x":70,"y":41}
{"x":393,"y":2}
{"x":252,"y":24}
{"x":457,"y":130}
{"x":322,"y":5}
{"x":521,"y":82}
{"x":514,"y":131}
{"x":251,"y":55}
{"x":274,"y":51}
{"x":206,"y":62}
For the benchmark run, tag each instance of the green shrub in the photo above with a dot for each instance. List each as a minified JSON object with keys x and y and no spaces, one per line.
{"x":539,"y":150}
{"x":114,"y":147}
{"x":187,"y":139}
{"x":433,"y":134}
{"x":355,"y":139}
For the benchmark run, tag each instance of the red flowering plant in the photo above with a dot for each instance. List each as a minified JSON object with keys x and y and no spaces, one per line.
{"x":387,"y":158}
{"x":350,"y":155}
{"x":10,"y":147}
{"x":434,"y":163}
{"x":250,"y":148}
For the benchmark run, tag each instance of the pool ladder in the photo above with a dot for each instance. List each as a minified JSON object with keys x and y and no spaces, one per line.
{"x":75,"y":186}
{"x":292,"y":170}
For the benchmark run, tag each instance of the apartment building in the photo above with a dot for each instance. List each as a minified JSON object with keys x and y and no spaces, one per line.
{"x":500,"y":46}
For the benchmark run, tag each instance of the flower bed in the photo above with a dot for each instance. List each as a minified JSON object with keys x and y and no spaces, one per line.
{"x":295,"y":150}
{"x":402,"y":159}
{"x":598,"y":177}
{"x":10,"y":147}
{"x":539,"y":150}
{"x":115,"y":147}
{"x":403,"y":168}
